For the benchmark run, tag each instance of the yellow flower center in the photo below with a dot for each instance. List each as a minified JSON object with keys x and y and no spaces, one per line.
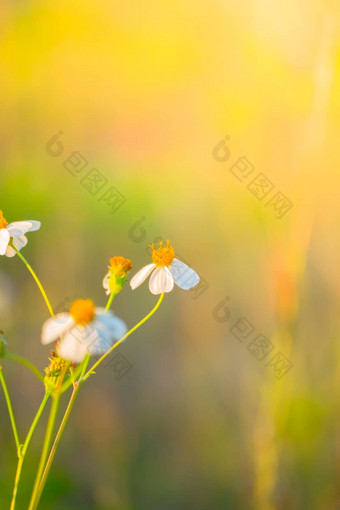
{"x":3,"y":222}
{"x":82,"y":311}
{"x":120,"y":266}
{"x":164,"y":255}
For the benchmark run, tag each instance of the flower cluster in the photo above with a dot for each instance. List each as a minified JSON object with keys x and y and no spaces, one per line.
{"x":87,"y":329}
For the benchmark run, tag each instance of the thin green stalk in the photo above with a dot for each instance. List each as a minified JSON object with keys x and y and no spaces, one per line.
{"x":48,"y":435}
{"x":73,"y":377}
{"x":47,"y":443}
{"x":89,"y":372}
{"x":26,"y":363}
{"x":10,"y":410}
{"x":37,"y":496}
{"x":109,"y":302}
{"x":76,"y":388}
{"x":41,"y":288}
{"x":25,"y":447}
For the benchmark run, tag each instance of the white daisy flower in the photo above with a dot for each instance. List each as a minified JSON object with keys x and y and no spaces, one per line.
{"x":84,"y":330}
{"x":15,"y":232}
{"x":166,"y":271}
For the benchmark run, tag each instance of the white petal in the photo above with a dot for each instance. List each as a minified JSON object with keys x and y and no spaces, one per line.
{"x":106,"y":329}
{"x":56,"y":326}
{"x":106,"y":284}
{"x":139,"y":277}
{"x":114,"y":324}
{"x":100,"y":310}
{"x":18,"y":228}
{"x":4,"y":240}
{"x":100,"y":341}
{"x":161,"y":281}
{"x":73,"y":345}
{"x":19,"y":242}
{"x":35,"y":225}
{"x":184,"y":276}
{"x":10,"y":252}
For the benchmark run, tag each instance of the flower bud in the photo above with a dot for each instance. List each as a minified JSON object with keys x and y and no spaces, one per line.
{"x":116,"y":278}
{"x":53,"y":372}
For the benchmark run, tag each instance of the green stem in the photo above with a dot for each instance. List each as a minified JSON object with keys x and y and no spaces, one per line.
{"x":41,"y":288}
{"x":48,"y":435}
{"x":54,"y":448}
{"x":109,"y":303}
{"x":26,"y":363}
{"x":72,"y":378}
{"x":47,"y":443}
{"x":10,"y":411}
{"x":25,"y":447}
{"x":89,"y":372}
{"x":76,"y":388}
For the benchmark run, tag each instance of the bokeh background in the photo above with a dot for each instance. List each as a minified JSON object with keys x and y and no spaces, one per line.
{"x":144,"y":92}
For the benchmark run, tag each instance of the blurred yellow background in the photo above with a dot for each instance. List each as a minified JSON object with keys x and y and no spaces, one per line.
{"x":144,"y":93}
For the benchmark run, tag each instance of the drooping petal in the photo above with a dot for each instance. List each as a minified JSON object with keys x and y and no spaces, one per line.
{"x":18,"y":228}
{"x":19,"y":242}
{"x":100,"y":335}
{"x":141,"y":276}
{"x":56,"y":326}
{"x":114,"y":324}
{"x":4,"y":240}
{"x":35,"y":225}
{"x":106,"y":284}
{"x":101,"y":339}
{"x":73,"y":347}
{"x":184,"y":276}
{"x":161,"y":281}
{"x":10,"y":252}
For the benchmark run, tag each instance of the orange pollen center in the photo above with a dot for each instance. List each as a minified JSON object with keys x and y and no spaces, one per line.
{"x":3,"y":222}
{"x":162,"y":256}
{"x":120,"y":266}
{"x":82,"y":311}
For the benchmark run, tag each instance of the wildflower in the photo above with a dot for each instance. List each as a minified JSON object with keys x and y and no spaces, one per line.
{"x":166,"y":270}
{"x":116,"y":277}
{"x":14,"y":232}
{"x":84,"y":330}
